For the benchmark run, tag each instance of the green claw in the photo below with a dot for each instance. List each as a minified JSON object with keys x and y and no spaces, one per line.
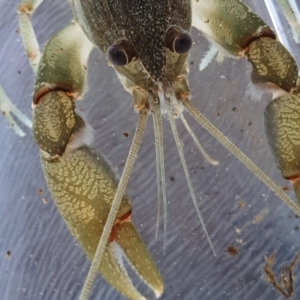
{"x":83,"y":187}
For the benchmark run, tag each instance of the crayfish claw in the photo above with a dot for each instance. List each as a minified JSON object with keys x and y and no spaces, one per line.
{"x":83,"y":186}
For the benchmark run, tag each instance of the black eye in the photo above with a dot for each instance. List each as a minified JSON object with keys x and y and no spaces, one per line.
{"x":120,"y":54}
{"x":178,"y":40}
{"x":117,"y":56}
{"x":183,"y":43}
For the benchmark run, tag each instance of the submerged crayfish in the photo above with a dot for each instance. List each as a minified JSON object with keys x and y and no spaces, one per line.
{"x":147,"y":43}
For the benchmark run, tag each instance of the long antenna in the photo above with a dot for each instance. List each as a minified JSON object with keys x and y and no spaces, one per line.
{"x":215,"y":132}
{"x":160,"y":168}
{"x":135,"y":146}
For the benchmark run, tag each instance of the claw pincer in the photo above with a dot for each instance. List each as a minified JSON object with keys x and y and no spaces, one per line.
{"x":81,"y":181}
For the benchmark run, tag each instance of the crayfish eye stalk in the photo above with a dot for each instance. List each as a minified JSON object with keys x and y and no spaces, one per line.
{"x":178,"y":40}
{"x":121,"y":53}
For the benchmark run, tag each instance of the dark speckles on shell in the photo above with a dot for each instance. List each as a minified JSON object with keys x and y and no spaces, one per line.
{"x":145,"y":24}
{"x":142,"y":22}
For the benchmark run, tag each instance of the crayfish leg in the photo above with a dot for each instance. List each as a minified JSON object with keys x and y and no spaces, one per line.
{"x":7,"y":107}
{"x":82,"y":184}
{"x":31,"y":45}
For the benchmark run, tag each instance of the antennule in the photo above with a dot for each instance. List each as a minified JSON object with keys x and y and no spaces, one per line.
{"x":197,"y":143}
{"x":215,"y":132}
{"x":160,"y":167}
{"x":170,"y":98}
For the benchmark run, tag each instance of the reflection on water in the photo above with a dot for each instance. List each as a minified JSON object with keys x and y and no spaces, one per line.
{"x":39,"y":259}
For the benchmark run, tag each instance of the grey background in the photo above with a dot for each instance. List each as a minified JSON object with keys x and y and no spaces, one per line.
{"x":47,"y":263}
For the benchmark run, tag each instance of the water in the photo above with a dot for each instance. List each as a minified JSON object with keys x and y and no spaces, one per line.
{"x":46,"y":262}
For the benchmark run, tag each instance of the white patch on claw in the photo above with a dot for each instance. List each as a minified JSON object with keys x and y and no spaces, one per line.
{"x":83,"y":137}
{"x":209,"y":57}
{"x":118,"y":254}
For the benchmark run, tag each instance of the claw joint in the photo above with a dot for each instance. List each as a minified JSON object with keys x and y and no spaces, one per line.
{"x":26,"y":9}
